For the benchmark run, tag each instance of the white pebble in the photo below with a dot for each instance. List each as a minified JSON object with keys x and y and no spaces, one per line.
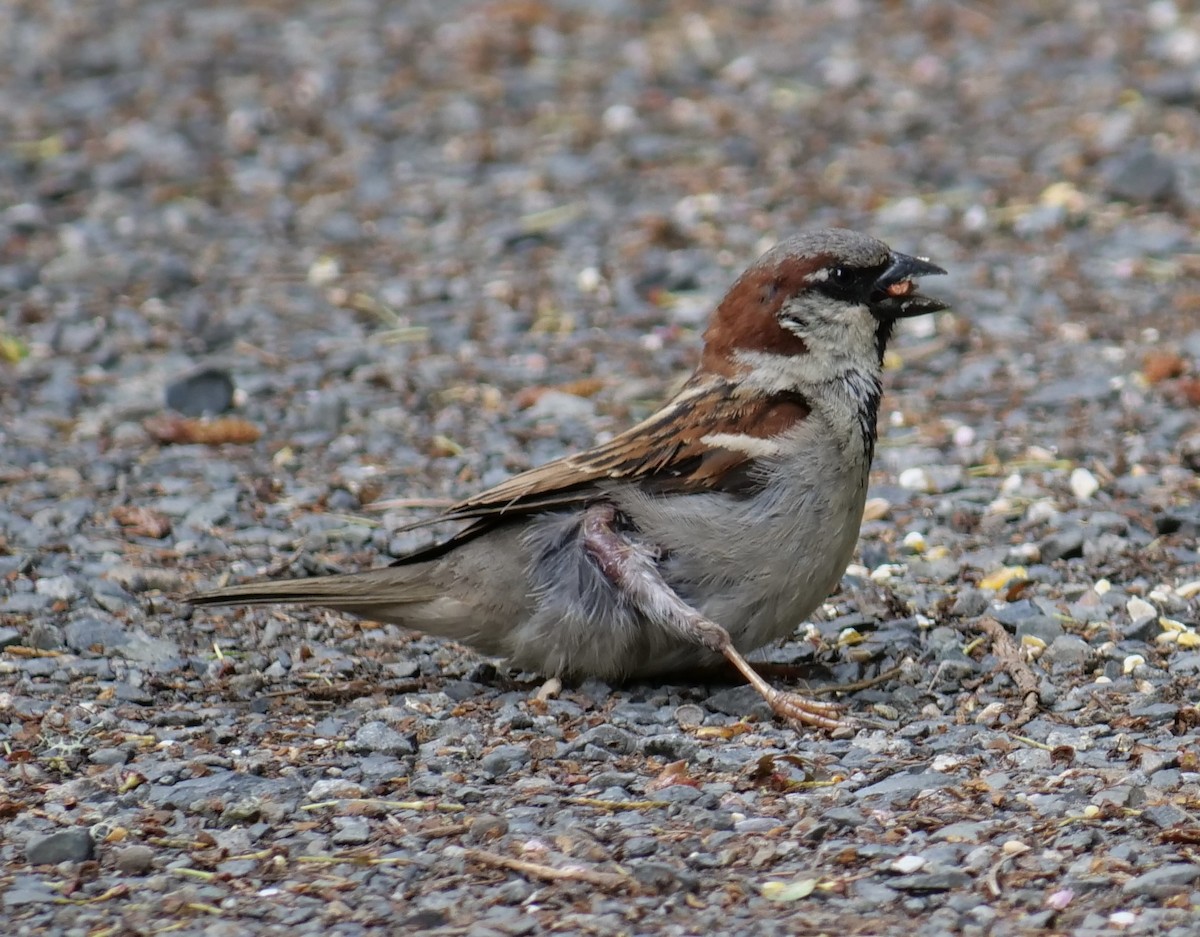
{"x":1139,"y":608}
{"x":975,"y":218}
{"x":323,"y":271}
{"x":964,"y":436}
{"x":589,"y":280}
{"x":62,"y":588}
{"x":1026,"y":553}
{"x":1041,"y":511}
{"x":1012,"y":484}
{"x":1083,"y":484}
{"x":619,"y":118}
{"x":1162,"y":15}
{"x":1132,"y":663}
{"x":915,"y":479}
{"x":907,"y":864}
{"x":914,"y":541}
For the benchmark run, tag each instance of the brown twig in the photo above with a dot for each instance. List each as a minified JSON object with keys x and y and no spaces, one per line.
{"x":859,"y":684}
{"x":608,"y":881}
{"x":1011,"y":658}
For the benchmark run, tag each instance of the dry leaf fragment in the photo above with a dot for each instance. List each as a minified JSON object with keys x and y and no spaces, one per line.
{"x":172,"y":430}
{"x":723,"y":732}
{"x":788,"y":891}
{"x":674,"y":773}
{"x":142,"y":522}
{"x":1160,"y":365}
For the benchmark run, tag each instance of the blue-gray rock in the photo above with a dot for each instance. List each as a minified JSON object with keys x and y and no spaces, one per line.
{"x":1165,"y":815}
{"x":206,"y":392}
{"x":1155,"y":712}
{"x":906,"y":784}
{"x":1163,"y":881}
{"x":350,"y":831}
{"x":109,"y":756}
{"x":638,"y":847}
{"x":1067,"y":650}
{"x":1062,"y":545}
{"x":27,"y":889}
{"x":969,"y":603}
{"x":380,"y":737}
{"x":1141,"y":175}
{"x":937,"y":880}
{"x":608,"y":739}
{"x":58,"y":588}
{"x":503,"y":759}
{"x":1043,"y":627}
{"x":74,"y":845}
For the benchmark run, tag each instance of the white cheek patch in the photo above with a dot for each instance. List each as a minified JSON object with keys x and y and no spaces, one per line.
{"x":818,"y":276}
{"x":773,"y":373}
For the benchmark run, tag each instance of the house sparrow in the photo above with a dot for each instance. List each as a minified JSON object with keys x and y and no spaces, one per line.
{"x":712,"y":528}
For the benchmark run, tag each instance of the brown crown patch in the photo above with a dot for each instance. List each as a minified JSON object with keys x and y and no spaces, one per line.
{"x":747,"y":319}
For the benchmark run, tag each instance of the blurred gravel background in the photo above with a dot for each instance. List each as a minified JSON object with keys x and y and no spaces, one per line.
{"x":273,"y":274}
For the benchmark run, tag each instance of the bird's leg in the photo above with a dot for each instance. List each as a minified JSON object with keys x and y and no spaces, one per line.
{"x":631,"y":568}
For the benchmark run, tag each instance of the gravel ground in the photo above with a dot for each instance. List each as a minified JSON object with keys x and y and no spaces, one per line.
{"x":407,"y":249}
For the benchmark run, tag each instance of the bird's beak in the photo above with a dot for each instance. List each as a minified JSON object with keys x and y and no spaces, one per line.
{"x":895,"y":294}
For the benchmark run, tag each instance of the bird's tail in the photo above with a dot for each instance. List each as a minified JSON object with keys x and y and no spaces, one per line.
{"x":358,"y":593}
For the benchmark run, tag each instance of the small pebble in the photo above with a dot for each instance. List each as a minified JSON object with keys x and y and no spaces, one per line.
{"x":1083,"y":484}
{"x":135,"y":860}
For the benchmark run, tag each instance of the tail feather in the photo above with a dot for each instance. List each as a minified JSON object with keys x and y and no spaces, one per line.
{"x":351,"y":592}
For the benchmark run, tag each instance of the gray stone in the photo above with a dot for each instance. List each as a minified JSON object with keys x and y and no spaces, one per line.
{"x":27,"y":890}
{"x":503,"y":759}
{"x":969,"y":603}
{"x":380,"y":737}
{"x":737,"y":701}
{"x":938,"y":880}
{"x":1165,"y":815}
{"x":1141,"y":175}
{"x":26,"y":603}
{"x":1163,"y":881}
{"x":1042,"y":627}
{"x":206,"y":392}
{"x":1067,"y":650}
{"x":1156,"y":712}
{"x":608,"y":739}
{"x":906,"y":784}
{"x":58,"y":588}
{"x":1062,"y":545}
{"x":135,"y":860}
{"x":638,"y":847}
{"x":350,"y":831}
{"x":74,"y":845}
{"x":874,"y":894}
{"x":109,"y":756}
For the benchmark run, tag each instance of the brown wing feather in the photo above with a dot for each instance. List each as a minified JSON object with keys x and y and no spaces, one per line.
{"x":665,"y":452}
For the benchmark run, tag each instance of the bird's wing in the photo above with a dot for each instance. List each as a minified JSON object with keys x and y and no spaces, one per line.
{"x":708,"y":438}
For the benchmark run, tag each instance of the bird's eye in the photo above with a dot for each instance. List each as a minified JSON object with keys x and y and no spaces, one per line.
{"x":840,"y":275}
